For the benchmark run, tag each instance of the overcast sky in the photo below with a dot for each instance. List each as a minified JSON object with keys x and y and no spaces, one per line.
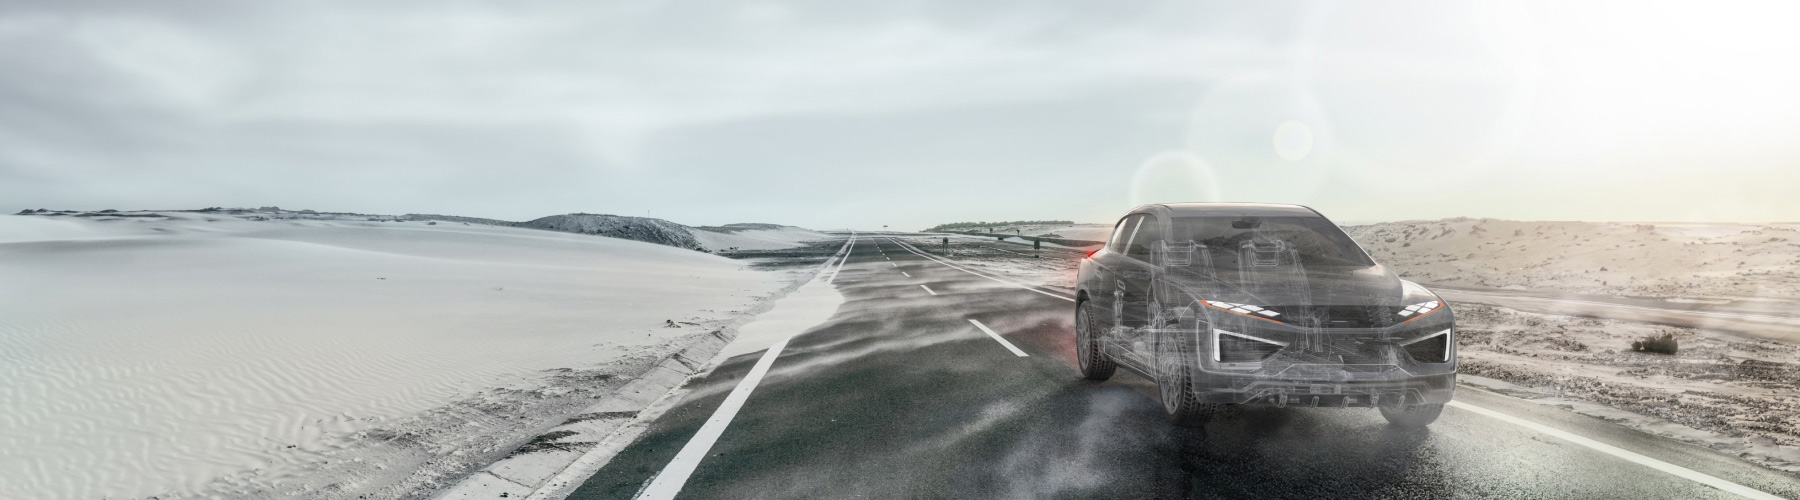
{"x":836,"y":113}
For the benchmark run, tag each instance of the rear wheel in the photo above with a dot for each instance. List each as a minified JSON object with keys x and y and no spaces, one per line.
{"x":1089,"y":356}
{"x":1175,"y":380}
{"x":1412,"y":416}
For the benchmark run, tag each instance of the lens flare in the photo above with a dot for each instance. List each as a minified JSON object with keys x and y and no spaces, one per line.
{"x":1172,"y":177}
{"x":1293,"y":141}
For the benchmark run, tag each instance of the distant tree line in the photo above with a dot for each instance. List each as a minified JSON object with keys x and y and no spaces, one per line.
{"x":962,"y":226}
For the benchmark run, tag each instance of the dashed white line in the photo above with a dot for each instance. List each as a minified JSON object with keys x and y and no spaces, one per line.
{"x":997,"y":338}
{"x":675,"y":475}
{"x":928,"y":289}
{"x":891,"y":263}
{"x":903,"y":273}
{"x":1672,"y":469}
{"x":960,"y":268}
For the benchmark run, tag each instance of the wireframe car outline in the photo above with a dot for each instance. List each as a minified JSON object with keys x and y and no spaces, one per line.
{"x":1260,"y":304}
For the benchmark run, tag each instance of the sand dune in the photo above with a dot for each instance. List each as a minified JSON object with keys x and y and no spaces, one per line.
{"x":1648,"y":260}
{"x":143,"y":356}
{"x":754,"y":237}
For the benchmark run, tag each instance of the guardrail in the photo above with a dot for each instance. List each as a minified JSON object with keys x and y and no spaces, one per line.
{"x":1060,"y":241}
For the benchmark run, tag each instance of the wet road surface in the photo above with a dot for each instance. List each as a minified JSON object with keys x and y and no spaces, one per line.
{"x":899,"y":395}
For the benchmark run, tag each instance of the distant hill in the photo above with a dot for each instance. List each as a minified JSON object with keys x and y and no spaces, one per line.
{"x":643,"y":229}
{"x":726,"y":238}
{"x":457,"y":218}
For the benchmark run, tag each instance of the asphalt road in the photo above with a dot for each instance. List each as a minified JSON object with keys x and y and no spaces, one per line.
{"x":899,"y":395}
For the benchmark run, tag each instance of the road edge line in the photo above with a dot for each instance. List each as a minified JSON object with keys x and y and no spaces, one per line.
{"x":1630,"y":456}
{"x":674,"y":476}
{"x":848,"y":247}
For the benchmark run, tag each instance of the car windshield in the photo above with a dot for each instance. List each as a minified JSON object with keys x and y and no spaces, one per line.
{"x":1230,"y":239}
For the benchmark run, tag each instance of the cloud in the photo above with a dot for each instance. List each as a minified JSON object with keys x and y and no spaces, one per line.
{"x":779,"y":109}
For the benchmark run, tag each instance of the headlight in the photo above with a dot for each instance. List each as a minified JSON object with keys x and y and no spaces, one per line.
{"x":1420,"y":310}
{"x":1242,"y":309}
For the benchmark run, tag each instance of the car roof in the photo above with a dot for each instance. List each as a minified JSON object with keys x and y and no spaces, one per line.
{"x":1234,"y":209}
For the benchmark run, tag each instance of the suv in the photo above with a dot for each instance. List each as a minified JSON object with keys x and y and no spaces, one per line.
{"x":1241,"y":303}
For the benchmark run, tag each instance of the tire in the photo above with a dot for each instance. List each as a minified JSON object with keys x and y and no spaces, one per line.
{"x":1175,"y":380}
{"x":1412,"y":416}
{"x":1090,"y":356}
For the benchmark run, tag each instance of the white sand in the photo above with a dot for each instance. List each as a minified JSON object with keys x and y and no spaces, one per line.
{"x":809,"y":306}
{"x":142,"y":357}
{"x":758,"y":239}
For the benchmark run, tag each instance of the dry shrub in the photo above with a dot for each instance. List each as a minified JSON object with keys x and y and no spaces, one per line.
{"x":1664,"y":343}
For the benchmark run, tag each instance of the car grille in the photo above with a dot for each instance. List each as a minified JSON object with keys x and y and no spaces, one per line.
{"x":1338,"y":316}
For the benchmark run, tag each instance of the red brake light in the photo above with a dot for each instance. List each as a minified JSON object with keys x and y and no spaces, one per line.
{"x":1090,"y":255}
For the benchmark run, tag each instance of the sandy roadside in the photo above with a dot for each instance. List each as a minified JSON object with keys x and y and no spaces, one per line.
{"x":229,"y":355}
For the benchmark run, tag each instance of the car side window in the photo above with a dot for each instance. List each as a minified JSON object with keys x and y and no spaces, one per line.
{"x":1148,"y":233}
{"x":1121,"y":233}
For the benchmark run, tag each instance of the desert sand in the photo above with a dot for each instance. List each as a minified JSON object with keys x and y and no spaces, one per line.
{"x":1696,"y":261}
{"x":152,"y":353}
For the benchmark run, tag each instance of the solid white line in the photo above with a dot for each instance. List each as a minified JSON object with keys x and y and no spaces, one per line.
{"x":960,"y":268}
{"x":903,"y":273}
{"x":675,"y":475}
{"x":997,"y":338}
{"x":851,"y":248}
{"x":1672,"y":469}
{"x":928,"y":289}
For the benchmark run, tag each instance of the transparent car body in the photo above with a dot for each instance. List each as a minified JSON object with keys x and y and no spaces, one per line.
{"x":1264,"y":321}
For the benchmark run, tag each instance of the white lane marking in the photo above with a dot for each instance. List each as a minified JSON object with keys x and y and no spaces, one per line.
{"x":675,"y":475}
{"x":851,"y":248}
{"x":891,"y":263}
{"x":960,"y":268}
{"x":903,"y":273}
{"x":1672,"y":469}
{"x":928,"y":289}
{"x":997,"y":338}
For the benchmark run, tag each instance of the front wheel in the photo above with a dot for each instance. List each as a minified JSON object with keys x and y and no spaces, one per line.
{"x":1175,"y":380}
{"x":1412,"y":416}
{"x":1089,"y":355}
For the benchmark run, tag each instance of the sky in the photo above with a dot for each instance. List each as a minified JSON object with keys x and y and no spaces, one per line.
{"x":864,"y":114}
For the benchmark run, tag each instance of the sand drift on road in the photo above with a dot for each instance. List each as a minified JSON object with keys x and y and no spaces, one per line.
{"x":150,"y":355}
